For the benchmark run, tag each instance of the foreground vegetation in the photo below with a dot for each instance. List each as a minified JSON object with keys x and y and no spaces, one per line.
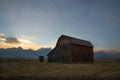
{"x":33,"y":70}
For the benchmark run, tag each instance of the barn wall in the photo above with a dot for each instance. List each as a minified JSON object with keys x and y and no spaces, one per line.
{"x":52,"y":56}
{"x":63,"y":53}
{"x":66,"y":53}
{"x":71,"y":54}
{"x":60,"y":54}
{"x":81,"y":54}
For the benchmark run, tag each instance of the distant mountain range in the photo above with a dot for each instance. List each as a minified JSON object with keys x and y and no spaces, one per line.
{"x":21,"y":53}
{"x":106,"y":55}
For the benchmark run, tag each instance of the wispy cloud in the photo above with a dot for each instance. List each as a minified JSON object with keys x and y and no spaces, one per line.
{"x":10,"y":40}
{"x":26,"y":39}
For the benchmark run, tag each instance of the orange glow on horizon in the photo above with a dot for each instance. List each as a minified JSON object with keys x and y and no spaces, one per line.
{"x":105,"y":50}
{"x":24,"y":46}
{"x":36,"y":47}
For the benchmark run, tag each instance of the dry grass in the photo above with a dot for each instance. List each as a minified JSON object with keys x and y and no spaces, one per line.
{"x":33,"y":70}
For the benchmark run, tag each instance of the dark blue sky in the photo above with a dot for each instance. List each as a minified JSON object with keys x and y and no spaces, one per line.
{"x":41,"y":22}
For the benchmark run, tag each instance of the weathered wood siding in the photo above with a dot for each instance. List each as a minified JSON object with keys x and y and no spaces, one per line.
{"x":52,"y":57}
{"x":81,"y":54}
{"x":60,"y":54}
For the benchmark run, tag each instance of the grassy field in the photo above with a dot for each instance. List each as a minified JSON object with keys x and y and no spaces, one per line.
{"x":33,"y":70}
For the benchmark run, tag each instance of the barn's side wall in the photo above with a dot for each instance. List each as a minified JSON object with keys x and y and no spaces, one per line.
{"x":52,"y":56}
{"x":66,"y":53}
{"x":60,"y":54}
{"x":81,"y":54}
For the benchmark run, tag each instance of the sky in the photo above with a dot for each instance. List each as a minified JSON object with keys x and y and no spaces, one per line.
{"x":39,"y":23}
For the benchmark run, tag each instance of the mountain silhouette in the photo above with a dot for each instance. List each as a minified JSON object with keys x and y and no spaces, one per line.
{"x":21,"y":53}
{"x":106,"y":55}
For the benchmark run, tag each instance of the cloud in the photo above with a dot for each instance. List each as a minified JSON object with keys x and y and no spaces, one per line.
{"x":2,"y":36}
{"x":10,"y":40}
{"x":26,"y":39}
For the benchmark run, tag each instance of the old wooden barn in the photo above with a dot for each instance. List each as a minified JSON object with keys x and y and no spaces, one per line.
{"x":71,"y":50}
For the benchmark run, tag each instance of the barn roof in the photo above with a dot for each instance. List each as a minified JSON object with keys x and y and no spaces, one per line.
{"x":73,"y":40}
